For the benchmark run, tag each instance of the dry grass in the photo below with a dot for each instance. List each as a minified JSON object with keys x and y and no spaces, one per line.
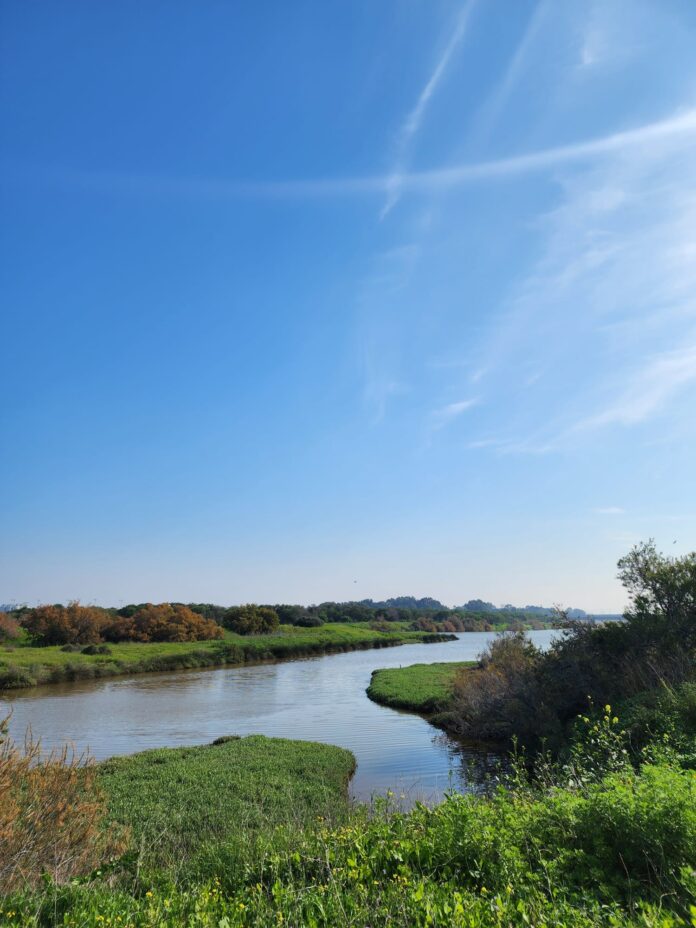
{"x":50,"y":816}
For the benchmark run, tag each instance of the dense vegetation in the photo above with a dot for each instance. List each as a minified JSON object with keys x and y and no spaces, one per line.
{"x":251,"y":620}
{"x":85,"y":625}
{"x":534,"y":696}
{"x":22,"y":664}
{"x":195,"y":806}
{"x":426,"y":688}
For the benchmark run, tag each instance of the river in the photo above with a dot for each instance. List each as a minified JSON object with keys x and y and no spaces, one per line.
{"x":316,"y":699}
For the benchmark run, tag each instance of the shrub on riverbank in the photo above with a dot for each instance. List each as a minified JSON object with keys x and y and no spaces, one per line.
{"x":535,"y":695}
{"x":251,"y":620}
{"x":71,"y":624}
{"x":10,"y":629}
{"x":74,"y":625}
{"x":164,"y":622}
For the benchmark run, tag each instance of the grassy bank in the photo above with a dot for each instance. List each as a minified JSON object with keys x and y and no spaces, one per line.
{"x":23,"y":666}
{"x":425,"y":688}
{"x":257,"y":832}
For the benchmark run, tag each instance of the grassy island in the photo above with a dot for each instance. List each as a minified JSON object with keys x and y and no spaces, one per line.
{"x":22,"y":665}
{"x":424,"y":688}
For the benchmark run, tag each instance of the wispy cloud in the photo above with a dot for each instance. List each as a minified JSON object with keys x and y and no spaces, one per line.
{"x":446,"y":414}
{"x":491,"y":110}
{"x":608,"y":313}
{"x":648,"y":391}
{"x":413,"y":121}
{"x":680,"y":126}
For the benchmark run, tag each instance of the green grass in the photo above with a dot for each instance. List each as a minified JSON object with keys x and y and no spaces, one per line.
{"x":24,"y":665}
{"x":423,"y":688}
{"x":246,"y":843}
{"x":220,"y":806}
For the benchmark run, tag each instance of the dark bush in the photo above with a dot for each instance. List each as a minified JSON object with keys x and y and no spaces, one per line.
{"x":251,"y":619}
{"x":536,"y":696}
{"x":96,"y":649}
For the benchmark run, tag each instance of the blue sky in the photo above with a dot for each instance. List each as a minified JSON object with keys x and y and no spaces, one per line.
{"x":323,"y":301}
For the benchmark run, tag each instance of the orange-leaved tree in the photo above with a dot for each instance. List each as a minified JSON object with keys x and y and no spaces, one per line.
{"x":163,"y":622}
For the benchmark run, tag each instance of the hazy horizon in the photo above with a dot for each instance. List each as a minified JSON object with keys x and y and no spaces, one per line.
{"x":312,"y":302}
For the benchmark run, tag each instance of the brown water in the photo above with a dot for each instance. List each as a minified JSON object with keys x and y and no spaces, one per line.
{"x":319,"y":699}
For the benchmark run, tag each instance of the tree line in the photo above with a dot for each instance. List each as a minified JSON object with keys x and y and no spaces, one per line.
{"x":75,"y":624}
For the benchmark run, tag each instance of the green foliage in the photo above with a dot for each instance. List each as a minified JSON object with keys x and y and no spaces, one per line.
{"x":664,"y":720}
{"x":251,"y":619}
{"x":617,"y":852}
{"x":420,"y":687}
{"x":536,"y":696}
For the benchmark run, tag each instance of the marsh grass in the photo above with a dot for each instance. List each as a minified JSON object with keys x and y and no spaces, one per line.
{"x":425,"y":688}
{"x":214,"y":809}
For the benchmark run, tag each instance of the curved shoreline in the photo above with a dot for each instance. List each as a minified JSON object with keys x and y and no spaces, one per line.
{"x":273,"y":649}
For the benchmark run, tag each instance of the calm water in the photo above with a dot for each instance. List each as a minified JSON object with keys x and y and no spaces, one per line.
{"x":321,"y":699}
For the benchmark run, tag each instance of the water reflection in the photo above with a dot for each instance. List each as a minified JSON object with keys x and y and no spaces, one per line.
{"x":319,"y":699}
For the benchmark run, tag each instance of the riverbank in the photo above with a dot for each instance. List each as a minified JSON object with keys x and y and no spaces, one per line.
{"x":24,"y":666}
{"x":422,"y":688}
{"x":258,"y":832}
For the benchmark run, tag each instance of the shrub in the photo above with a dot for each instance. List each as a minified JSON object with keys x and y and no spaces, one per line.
{"x":251,"y":619}
{"x":71,"y":624}
{"x":500,"y":698}
{"x":630,"y":835}
{"x":50,"y":816}
{"x":536,"y":696}
{"x":163,"y":622}
{"x":9,"y":627}
{"x":96,"y":649}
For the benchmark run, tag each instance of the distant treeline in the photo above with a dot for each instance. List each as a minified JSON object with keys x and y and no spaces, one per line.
{"x":75,"y":624}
